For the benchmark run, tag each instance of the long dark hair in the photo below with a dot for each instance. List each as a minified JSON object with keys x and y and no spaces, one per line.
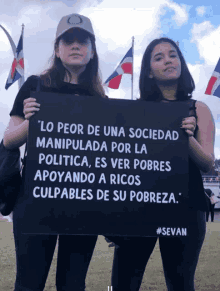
{"x":148,"y":87}
{"x":90,"y":77}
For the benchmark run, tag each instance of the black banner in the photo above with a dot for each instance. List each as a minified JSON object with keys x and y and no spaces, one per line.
{"x":112,"y":167}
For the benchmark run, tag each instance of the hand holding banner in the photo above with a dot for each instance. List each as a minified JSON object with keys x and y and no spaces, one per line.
{"x":120,"y":168}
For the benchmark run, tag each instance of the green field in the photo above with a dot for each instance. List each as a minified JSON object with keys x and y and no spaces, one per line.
{"x":99,"y":274}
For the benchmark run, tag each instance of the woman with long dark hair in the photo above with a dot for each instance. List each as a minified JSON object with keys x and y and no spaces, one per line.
{"x":74,"y":70}
{"x":165,"y":77}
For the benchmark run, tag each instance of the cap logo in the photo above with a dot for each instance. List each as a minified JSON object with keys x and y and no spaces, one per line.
{"x":75,"y":19}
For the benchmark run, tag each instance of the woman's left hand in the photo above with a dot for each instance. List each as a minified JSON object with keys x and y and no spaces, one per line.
{"x":189,"y":124}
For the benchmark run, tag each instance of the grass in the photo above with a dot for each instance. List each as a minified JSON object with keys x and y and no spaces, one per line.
{"x":99,"y":275}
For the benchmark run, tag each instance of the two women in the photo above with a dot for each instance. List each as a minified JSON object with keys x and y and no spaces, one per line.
{"x":74,"y":71}
{"x":165,"y":78}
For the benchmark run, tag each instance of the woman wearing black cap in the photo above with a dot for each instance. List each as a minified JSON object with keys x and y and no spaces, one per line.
{"x":74,"y":70}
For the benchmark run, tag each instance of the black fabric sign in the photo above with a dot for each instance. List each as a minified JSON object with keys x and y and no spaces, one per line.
{"x":112,"y":167}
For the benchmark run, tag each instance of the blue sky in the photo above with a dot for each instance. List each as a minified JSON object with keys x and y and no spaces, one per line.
{"x":198,"y":12}
{"x":196,"y":26}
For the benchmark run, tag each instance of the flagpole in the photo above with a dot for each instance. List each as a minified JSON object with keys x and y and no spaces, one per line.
{"x":132,"y":76}
{"x":21,"y":80}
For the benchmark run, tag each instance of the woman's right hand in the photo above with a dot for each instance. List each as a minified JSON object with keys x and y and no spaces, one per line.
{"x":30,"y":107}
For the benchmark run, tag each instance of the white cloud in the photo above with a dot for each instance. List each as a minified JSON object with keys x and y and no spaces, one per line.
{"x":201,"y":10}
{"x":200,"y":30}
{"x":115,"y":37}
{"x":114,"y":24}
{"x":115,"y":27}
{"x":181,"y":15}
{"x":201,"y":75}
{"x":4,"y":42}
{"x":118,"y":31}
{"x":4,"y":113}
{"x":7,"y":96}
{"x":217,"y":152}
{"x":207,"y":40}
{"x":217,"y":131}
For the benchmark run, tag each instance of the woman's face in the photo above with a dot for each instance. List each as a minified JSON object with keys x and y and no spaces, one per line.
{"x":165,"y":63}
{"x":74,"y":51}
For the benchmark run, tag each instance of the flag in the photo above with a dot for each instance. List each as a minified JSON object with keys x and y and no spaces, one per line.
{"x":213,"y":87}
{"x":17,"y":68}
{"x":125,"y":67}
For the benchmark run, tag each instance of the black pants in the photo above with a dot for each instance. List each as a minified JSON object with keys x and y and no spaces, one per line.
{"x":210,"y":209}
{"x":34,"y":254}
{"x":179,"y":256}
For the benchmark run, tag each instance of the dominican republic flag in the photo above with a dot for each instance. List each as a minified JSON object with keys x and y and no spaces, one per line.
{"x":17,"y":68}
{"x":125,"y":67}
{"x":213,"y":87}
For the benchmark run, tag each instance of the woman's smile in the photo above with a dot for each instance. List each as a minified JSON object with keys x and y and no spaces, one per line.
{"x":170,"y":69}
{"x":75,"y":55}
